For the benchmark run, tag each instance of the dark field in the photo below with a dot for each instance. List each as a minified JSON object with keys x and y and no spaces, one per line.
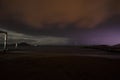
{"x":48,"y":66}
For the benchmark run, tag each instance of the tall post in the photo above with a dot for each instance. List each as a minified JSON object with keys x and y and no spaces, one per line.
{"x":16,"y":45}
{"x":5,"y":41}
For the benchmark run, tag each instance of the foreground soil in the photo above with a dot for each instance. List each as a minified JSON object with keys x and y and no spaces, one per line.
{"x":37,"y":67}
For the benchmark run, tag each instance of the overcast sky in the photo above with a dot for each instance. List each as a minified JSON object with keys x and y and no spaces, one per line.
{"x":62,"y":21}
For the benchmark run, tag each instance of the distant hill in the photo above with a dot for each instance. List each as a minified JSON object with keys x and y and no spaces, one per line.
{"x":24,"y":44}
{"x":113,"y":49}
{"x":99,"y":46}
{"x":117,"y":46}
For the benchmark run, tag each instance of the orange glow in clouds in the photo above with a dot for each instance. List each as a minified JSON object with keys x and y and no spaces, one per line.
{"x":84,"y":13}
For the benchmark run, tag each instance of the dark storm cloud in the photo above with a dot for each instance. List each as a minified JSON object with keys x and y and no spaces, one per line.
{"x":13,"y":24}
{"x":85,"y":13}
{"x":114,"y":6}
{"x":55,"y":17}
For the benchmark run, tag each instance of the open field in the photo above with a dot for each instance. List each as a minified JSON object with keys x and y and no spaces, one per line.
{"x":54,"y":66}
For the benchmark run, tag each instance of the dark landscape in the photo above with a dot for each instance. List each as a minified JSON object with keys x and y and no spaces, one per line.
{"x":59,"y":63}
{"x":59,"y":39}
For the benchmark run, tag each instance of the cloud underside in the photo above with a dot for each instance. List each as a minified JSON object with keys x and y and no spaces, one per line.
{"x":82,"y":13}
{"x":14,"y":37}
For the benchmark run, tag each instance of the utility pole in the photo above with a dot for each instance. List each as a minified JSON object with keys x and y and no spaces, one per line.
{"x":16,"y":45}
{"x":5,"y":39}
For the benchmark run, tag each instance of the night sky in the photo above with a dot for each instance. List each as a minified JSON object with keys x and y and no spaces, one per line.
{"x":66,"y":22}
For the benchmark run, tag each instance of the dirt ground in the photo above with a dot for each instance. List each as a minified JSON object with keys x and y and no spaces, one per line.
{"x":55,"y":67}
